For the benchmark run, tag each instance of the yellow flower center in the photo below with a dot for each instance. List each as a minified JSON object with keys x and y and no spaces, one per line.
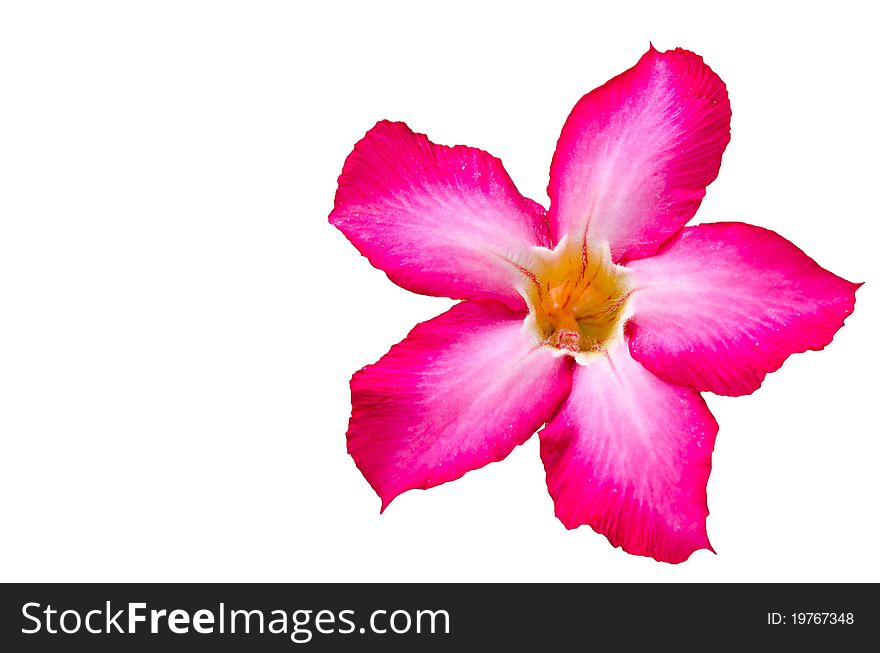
{"x":576,"y":297}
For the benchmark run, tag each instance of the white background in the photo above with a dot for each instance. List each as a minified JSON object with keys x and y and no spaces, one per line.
{"x":179,"y":322}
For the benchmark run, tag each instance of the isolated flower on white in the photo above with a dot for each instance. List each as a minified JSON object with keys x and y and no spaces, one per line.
{"x":603,"y":318}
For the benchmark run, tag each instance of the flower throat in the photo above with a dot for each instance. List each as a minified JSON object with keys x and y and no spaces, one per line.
{"x":576,"y":297}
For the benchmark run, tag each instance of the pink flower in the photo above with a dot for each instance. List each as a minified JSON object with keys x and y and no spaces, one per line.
{"x":603,"y":318}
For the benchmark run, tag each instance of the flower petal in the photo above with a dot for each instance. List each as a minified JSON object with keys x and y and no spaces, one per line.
{"x":724,"y":304}
{"x":439,"y":220}
{"x":635,"y":155}
{"x":630,"y":455}
{"x":461,"y":391}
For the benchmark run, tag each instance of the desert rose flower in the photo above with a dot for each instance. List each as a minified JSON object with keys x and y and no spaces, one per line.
{"x":601,"y":320}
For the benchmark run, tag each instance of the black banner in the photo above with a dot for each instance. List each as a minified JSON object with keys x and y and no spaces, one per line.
{"x":416,"y":617}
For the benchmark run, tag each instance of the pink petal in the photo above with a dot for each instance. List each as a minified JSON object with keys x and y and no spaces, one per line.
{"x":439,"y":220}
{"x":461,"y":391}
{"x":724,"y":304}
{"x":630,"y":455}
{"x":635,"y":155}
